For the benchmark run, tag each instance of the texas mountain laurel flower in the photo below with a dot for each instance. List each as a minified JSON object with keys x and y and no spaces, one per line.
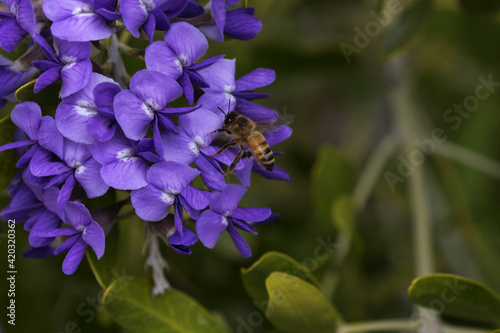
{"x":151,"y":135}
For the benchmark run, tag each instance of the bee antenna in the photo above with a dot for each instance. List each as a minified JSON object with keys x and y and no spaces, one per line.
{"x":221,"y":111}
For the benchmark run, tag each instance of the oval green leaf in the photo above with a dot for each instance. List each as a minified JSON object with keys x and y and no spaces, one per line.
{"x":9,"y":157}
{"x":343,"y":214}
{"x":255,"y":276}
{"x":131,"y":305}
{"x":331,"y":177}
{"x":296,"y":306}
{"x":457,"y":297}
{"x":406,"y":27}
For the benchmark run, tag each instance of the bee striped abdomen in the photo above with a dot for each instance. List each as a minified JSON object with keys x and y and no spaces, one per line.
{"x":261,"y":150}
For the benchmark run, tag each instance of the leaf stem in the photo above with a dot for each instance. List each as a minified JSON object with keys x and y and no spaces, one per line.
{"x":373,"y":169}
{"x":403,"y":107}
{"x":468,"y":157}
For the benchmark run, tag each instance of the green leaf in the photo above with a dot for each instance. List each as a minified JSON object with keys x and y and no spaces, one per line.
{"x":399,"y":34}
{"x":131,"y":305}
{"x":331,"y":177}
{"x":457,"y":297}
{"x":298,"y":306}
{"x":495,"y":331}
{"x":344,"y":214}
{"x":8,"y":158}
{"x":254,"y":277}
{"x":47,"y":98}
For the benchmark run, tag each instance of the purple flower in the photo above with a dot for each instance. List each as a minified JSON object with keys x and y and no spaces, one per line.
{"x":88,"y":113}
{"x":192,"y":9}
{"x":169,"y":186}
{"x":150,"y":15}
{"x":66,"y":162}
{"x":186,"y":147}
{"x":245,"y":167}
{"x":121,"y":167}
{"x":224,"y":215}
{"x":23,"y":202}
{"x":14,"y":26}
{"x":182,"y":244}
{"x":237,"y":23}
{"x":83,"y":232}
{"x":27,"y":116}
{"x":224,"y":89}
{"x":146,"y":103}
{"x":81,"y":20}
{"x":175,"y":57}
{"x":12,"y":77}
{"x":72,"y":65}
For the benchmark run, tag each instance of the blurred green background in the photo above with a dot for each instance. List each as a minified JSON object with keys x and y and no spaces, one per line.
{"x":346,"y":106}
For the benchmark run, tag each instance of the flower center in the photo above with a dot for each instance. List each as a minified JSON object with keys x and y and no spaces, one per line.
{"x":82,"y":9}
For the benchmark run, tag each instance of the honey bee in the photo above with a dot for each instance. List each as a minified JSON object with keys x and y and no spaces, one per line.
{"x":242,"y":129}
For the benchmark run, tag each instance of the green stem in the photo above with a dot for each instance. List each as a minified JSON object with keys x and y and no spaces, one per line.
{"x":465,"y":156}
{"x":403,"y":105}
{"x":373,"y":169}
{"x":398,"y":325}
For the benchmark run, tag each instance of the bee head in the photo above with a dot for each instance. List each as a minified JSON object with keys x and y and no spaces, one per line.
{"x":230,"y":117}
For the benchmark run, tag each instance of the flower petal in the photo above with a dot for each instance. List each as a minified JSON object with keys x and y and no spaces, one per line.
{"x":257,"y":78}
{"x":134,"y":14}
{"x":93,"y":235}
{"x":74,"y":257}
{"x":132,"y":114}
{"x":239,"y":241}
{"x":82,"y":27}
{"x":241,"y":24}
{"x":179,"y":148}
{"x":209,"y":227}
{"x":187,"y":42}
{"x":150,"y":203}
{"x":28,"y":117}
{"x":251,"y":214}
{"x":159,"y":57}
{"x":47,"y":77}
{"x":212,"y":177}
{"x":199,"y":124}
{"x":171,"y":176}
{"x":125,"y":174}
{"x":154,"y":88}
{"x":196,"y":198}
{"x":75,"y":76}
{"x":89,"y":176}
{"x":226,"y":202}
{"x":256,"y":112}
{"x":220,"y":76}
{"x":50,"y":138}
{"x":77,"y":214}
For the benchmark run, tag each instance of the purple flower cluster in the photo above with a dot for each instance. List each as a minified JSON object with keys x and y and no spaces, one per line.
{"x":108,"y":135}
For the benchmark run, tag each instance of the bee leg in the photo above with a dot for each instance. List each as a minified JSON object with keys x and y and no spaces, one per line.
{"x":236,"y":160}
{"x":224,"y":147}
{"x":247,"y":154}
{"x":221,"y":130}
